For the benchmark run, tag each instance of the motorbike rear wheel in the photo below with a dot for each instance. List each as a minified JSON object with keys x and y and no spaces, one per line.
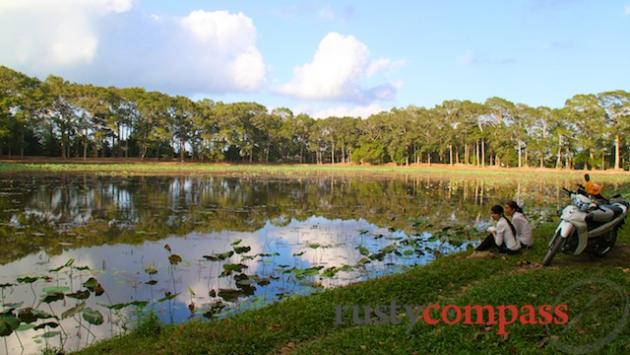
{"x":605,"y":244}
{"x":553,"y":249}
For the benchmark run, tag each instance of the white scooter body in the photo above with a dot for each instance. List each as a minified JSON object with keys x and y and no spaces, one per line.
{"x":574,"y":218}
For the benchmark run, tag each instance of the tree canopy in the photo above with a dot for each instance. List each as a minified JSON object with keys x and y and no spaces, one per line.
{"x":55,"y":117}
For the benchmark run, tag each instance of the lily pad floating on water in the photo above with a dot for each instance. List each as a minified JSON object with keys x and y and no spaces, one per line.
{"x":266,"y":255}
{"x":94,"y":286}
{"x":92,"y":316}
{"x":70,"y":312}
{"x":30,"y":315}
{"x":214,"y":309}
{"x":27,"y":279}
{"x":151,"y":282}
{"x":174,"y":259}
{"x":380,"y":255}
{"x":8,"y":324}
{"x":168,"y":296}
{"x":363,"y":250}
{"x":55,"y":289}
{"x":229,"y":295}
{"x":241,"y":250}
{"x":248,"y":257}
{"x":53,"y":297}
{"x":220,"y":256}
{"x":229,"y":268}
{"x":67,"y":264}
{"x":150,"y":270}
{"x":237,"y":242}
{"x":332,"y":271}
{"x":51,"y":334}
{"x":79,"y":295}
{"x":363,"y":261}
{"x":45,"y":325}
{"x":302,"y":273}
{"x":90,"y":284}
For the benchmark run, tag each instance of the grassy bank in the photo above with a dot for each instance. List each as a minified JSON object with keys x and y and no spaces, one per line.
{"x":171,"y":168}
{"x":306,"y":325}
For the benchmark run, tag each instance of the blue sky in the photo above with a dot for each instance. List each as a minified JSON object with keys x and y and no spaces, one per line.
{"x":324,"y":57}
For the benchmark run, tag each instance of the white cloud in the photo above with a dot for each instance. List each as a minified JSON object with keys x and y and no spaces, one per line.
{"x":108,"y":43}
{"x":626,"y":10}
{"x":337,"y":70}
{"x":46,"y":34}
{"x":343,"y":111}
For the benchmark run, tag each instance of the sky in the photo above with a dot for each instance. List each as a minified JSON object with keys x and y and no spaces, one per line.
{"x":327,"y":58}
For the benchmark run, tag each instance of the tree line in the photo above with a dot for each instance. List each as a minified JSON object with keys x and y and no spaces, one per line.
{"x":55,"y":117}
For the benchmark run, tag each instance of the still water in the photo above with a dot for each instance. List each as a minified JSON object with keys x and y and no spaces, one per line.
{"x":83,"y":256}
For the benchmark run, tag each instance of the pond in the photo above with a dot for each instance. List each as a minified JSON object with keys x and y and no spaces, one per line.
{"x":85,"y":256}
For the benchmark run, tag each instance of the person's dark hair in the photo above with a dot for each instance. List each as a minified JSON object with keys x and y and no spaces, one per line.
{"x":587,"y":177}
{"x":513,"y":205}
{"x":498,"y":209}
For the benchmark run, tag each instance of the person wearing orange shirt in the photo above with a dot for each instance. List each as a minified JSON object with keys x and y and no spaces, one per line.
{"x":592,"y":188}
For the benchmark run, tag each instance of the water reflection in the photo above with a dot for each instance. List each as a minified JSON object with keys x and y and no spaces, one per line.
{"x":243,"y":241}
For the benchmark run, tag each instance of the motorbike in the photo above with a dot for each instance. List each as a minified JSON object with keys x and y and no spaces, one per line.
{"x":588,"y":224}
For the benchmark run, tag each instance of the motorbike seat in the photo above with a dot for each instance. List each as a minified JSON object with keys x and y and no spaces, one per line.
{"x":601,"y":215}
{"x":617,"y":210}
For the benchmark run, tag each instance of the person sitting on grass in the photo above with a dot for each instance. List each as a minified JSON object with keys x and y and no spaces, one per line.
{"x":503,"y":236}
{"x":520,"y":223}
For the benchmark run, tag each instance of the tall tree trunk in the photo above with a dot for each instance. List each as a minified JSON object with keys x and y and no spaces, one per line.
{"x":332,"y":154}
{"x":483,"y":152}
{"x":63,"y":145}
{"x":450,"y":152}
{"x":617,"y":160}
{"x":466,"y":153}
{"x":520,"y":161}
{"x":542,"y":160}
{"x":429,"y":158}
{"x":477,"y":153}
{"x":22,"y":143}
{"x":559,"y":155}
{"x":343,"y":152}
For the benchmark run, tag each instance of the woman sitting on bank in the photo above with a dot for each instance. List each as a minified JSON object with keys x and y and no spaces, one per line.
{"x":520,"y":223}
{"x":503,"y":236}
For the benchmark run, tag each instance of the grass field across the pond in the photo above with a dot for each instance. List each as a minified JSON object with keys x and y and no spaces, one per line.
{"x":170,"y":168}
{"x":596,"y":291}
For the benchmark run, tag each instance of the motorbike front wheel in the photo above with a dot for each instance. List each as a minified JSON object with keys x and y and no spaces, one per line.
{"x":553,"y":249}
